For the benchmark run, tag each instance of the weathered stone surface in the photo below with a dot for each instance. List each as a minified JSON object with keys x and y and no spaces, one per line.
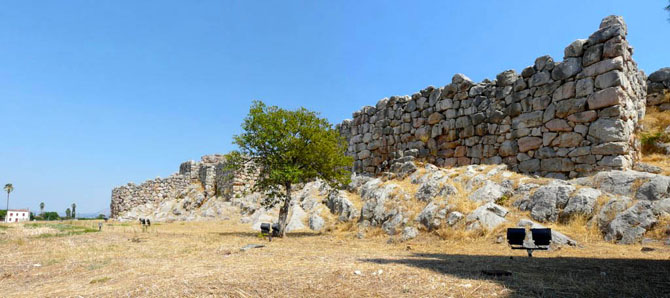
{"x":658,"y":187}
{"x":409,"y":233}
{"x":454,"y":217}
{"x":566,"y":90}
{"x":575,"y":49}
{"x":316,"y":222}
{"x":558,"y":125}
{"x":584,"y":87}
{"x":582,"y":202}
{"x":609,"y":130}
{"x":605,"y":98}
{"x":570,"y":106}
{"x":339,"y":204}
{"x":570,"y":139}
{"x":488,"y":216}
{"x":508,"y":148}
{"x":629,"y":227}
{"x":529,"y":143}
{"x":610,"y":79}
{"x":610,"y":148}
{"x":583,"y":117}
{"x":488,"y":192}
{"x":546,"y":200}
{"x":506,"y":78}
{"x":566,"y":69}
{"x":661,"y":75}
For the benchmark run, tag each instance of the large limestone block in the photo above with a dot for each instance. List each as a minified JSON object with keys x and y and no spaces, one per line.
{"x":607,"y":97}
{"x":609,"y":130}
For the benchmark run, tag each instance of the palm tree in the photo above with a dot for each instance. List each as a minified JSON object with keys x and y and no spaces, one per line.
{"x":8,"y":188}
{"x":42,"y":209}
{"x":74,"y":206}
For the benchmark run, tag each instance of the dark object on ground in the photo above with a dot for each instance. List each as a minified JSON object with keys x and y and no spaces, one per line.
{"x":148,"y":222}
{"x":250,"y":246}
{"x":99,"y":226}
{"x":494,"y":272}
{"x":541,"y":239}
{"x":270,"y":230}
{"x":647,"y":249}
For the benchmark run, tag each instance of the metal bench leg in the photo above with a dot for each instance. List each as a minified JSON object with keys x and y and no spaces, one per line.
{"x":530,"y":253}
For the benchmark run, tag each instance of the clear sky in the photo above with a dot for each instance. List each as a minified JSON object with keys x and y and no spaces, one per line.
{"x":95,"y":94}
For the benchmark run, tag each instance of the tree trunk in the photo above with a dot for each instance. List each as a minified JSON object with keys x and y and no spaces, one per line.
{"x":283,"y":211}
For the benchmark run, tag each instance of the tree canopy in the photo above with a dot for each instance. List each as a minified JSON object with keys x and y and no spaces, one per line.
{"x":284,"y":148}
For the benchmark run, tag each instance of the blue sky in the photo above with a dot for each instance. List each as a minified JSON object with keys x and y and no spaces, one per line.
{"x":94,"y":94}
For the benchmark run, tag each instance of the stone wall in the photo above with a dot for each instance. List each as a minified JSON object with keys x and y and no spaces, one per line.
{"x":210,"y":173}
{"x":555,"y":119}
{"x":128,"y":196}
{"x":658,"y":89}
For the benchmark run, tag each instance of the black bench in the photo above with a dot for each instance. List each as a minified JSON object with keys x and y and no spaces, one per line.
{"x":517,"y":236}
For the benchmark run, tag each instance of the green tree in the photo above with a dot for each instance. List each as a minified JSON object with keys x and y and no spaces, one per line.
{"x":68,"y":213}
{"x":42,"y":209}
{"x":51,"y":216}
{"x":285,"y":148}
{"x":8,"y":188}
{"x":74,"y":206}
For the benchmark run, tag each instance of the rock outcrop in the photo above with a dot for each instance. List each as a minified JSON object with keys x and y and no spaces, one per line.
{"x":658,"y":89}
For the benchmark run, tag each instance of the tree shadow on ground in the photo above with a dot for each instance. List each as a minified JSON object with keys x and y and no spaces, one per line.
{"x":553,"y":276}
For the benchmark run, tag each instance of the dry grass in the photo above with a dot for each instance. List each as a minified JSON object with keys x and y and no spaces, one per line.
{"x":659,"y":160}
{"x":204,"y":259}
{"x":655,"y":120}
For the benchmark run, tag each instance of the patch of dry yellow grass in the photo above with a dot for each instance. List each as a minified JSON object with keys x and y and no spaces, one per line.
{"x":655,"y":120}
{"x":204,"y":259}
{"x":660,"y":160}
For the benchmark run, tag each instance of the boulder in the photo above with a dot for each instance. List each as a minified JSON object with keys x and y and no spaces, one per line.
{"x":488,"y":192}
{"x":660,"y":75}
{"x":432,"y":216}
{"x":454,"y":217}
{"x":395,"y":220}
{"x":629,"y":226}
{"x":488,"y":216}
{"x":582,"y":202}
{"x":434,"y":186}
{"x":409,"y":233}
{"x":339,"y":204}
{"x":316,"y":223}
{"x":546,"y":200}
{"x":655,"y":189}
{"x":296,"y":219}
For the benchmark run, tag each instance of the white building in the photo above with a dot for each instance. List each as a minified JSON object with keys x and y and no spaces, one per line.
{"x":16,"y":215}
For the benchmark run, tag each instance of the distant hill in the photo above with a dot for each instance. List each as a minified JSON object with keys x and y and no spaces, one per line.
{"x":93,"y":214}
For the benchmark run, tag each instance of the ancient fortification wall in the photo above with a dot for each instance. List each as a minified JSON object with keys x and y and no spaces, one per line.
{"x":210,"y":173}
{"x":555,"y":119}
{"x":658,"y":89}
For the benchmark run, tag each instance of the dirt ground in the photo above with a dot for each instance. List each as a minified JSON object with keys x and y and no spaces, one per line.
{"x":204,"y":259}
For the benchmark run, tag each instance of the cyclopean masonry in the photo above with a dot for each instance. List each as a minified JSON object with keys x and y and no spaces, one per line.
{"x":211,"y":174}
{"x":554,"y":119}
